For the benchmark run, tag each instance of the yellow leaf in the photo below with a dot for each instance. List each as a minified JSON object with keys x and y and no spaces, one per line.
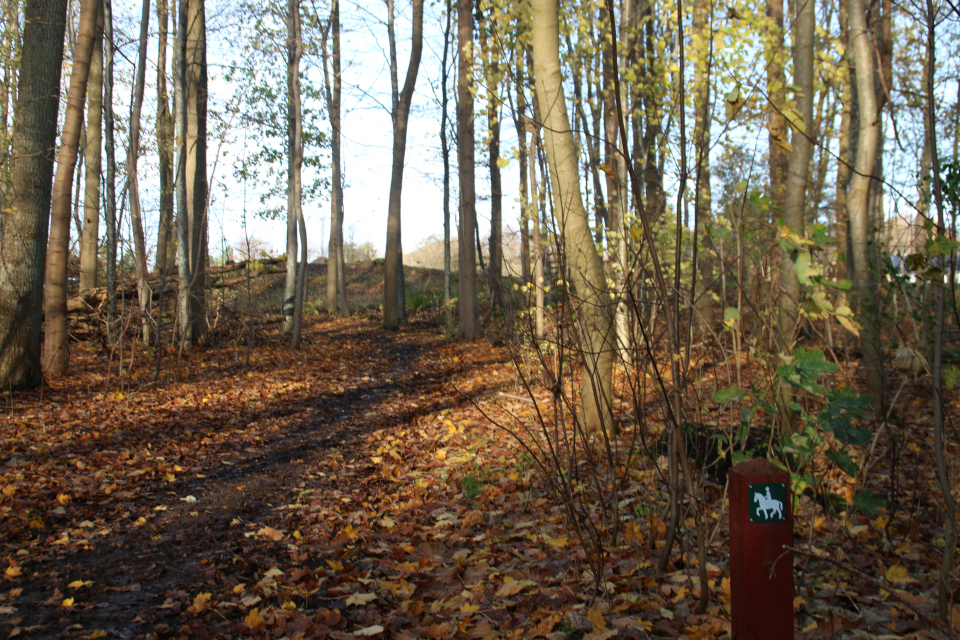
{"x":13,"y":571}
{"x":99,"y":633}
{"x":67,"y":602}
{"x":63,"y":498}
{"x":9,"y":490}
{"x":336,"y":565}
{"x":271,"y":533}
{"x":898,"y":574}
{"x":360,"y":599}
{"x":441,"y":454}
{"x":373,"y":630}
{"x":559,"y":542}
{"x":254,"y":620}
{"x":470,"y":608}
{"x":510,"y":588}
{"x":200,"y":603}
{"x":596,"y":619}
{"x":76,"y":584}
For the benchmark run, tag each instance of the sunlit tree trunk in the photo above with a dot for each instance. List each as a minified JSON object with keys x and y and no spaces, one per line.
{"x":166,"y":231}
{"x":857,"y":202}
{"x":56,"y":353}
{"x":445,"y":152}
{"x":90,"y":234}
{"x":144,"y":294}
{"x":392,"y":298}
{"x":469,"y":325}
{"x":527,"y":196}
{"x":594,"y":313}
{"x":491,"y":64}
{"x":24,"y":230}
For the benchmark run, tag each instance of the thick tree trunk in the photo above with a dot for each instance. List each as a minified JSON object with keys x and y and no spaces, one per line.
{"x":469,"y":324}
{"x":857,"y":203}
{"x":56,"y":353}
{"x":166,"y":231}
{"x":393,"y":300}
{"x":594,"y":315}
{"x":184,"y":264}
{"x":24,"y":230}
{"x":844,"y":133}
{"x":195,"y":72}
{"x":92,"y":161}
{"x":295,"y":165}
{"x":133,"y":186}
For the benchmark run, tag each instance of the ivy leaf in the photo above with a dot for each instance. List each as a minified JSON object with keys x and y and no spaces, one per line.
{"x":843,"y":462}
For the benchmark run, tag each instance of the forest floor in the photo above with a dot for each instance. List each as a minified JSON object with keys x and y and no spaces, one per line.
{"x":355,"y":488}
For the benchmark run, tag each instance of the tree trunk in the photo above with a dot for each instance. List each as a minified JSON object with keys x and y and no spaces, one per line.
{"x":110,"y":178}
{"x":195,"y":72}
{"x":445,"y":152}
{"x":393,"y":300}
{"x":492,"y":72}
{"x":857,"y":203}
{"x":595,"y":317}
{"x":24,"y":230}
{"x":184,"y":264}
{"x":843,"y":158}
{"x":295,"y":164}
{"x":166,"y":231}
{"x":336,"y":276}
{"x":144,"y":296}
{"x":90,"y":235}
{"x":798,"y":173}
{"x":56,"y":353}
{"x":526,"y":195}
{"x":469,"y":325}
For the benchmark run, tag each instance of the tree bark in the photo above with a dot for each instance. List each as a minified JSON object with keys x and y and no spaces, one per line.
{"x":445,"y":152}
{"x":133,"y":186}
{"x":184,"y":264}
{"x":798,"y":174}
{"x":844,"y":265}
{"x":92,"y":160}
{"x":492,"y":73}
{"x":526,"y":195}
{"x":595,"y":317}
{"x":336,"y":269}
{"x":195,"y":72}
{"x":24,"y":231}
{"x":56,"y":352}
{"x":110,"y":177}
{"x":857,"y":203}
{"x":295,"y":164}
{"x":392,"y":287}
{"x":166,"y":231}
{"x":469,"y":323}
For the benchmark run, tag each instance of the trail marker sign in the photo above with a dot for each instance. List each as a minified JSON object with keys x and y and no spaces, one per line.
{"x":761,"y":571}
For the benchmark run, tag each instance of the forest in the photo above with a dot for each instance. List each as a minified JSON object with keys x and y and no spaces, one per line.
{"x":652,"y":248}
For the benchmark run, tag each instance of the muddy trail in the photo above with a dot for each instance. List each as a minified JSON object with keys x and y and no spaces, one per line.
{"x":144,"y":498}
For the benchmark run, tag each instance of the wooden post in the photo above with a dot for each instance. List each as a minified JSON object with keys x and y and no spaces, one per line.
{"x":761,"y":571}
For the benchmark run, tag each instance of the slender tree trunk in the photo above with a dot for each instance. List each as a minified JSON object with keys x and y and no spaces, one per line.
{"x":336,"y":277}
{"x":166,"y":231}
{"x":392,"y":300}
{"x":594,"y":314}
{"x":527,"y":196}
{"x":56,"y":353}
{"x":492,"y":72}
{"x":537,"y":207}
{"x":90,"y":235}
{"x":445,"y":152}
{"x":843,"y":157}
{"x":857,"y":203}
{"x":798,"y":173}
{"x":195,"y":73}
{"x":295,"y":162}
{"x":944,"y":590}
{"x":24,"y":229}
{"x":110,"y":177}
{"x":184,"y":263}
{"x":469,"y":325}
{"x":144,"y":295}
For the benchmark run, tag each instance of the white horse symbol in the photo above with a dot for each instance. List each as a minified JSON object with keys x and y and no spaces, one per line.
{"x":768,"y":505}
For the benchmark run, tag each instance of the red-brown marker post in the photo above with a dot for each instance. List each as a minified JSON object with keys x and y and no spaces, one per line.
{"x":761,"y":525}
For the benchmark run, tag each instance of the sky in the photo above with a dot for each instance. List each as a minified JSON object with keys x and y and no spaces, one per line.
{"x":367,"y":138}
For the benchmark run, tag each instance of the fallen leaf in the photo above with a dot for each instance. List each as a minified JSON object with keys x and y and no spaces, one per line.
{"x":254,"y":620}
{"x":67,"y":602}
{"x":200,"y":603}
{"x":13,"y":571}
{"x":271,"y":533}
{"x":360,"y":599}
{"x":372,"y":630}
{"x":897,"y":574}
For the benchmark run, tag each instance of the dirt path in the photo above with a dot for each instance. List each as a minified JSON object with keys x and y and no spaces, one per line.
{"x":177,"y":535}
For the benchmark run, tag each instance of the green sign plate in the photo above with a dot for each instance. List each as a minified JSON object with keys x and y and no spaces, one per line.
{"x":768,"y":501}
